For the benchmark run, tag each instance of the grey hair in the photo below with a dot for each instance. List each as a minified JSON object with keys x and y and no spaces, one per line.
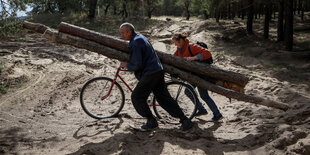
{"x":128,"y":26}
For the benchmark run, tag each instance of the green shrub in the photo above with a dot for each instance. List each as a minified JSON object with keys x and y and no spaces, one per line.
{"x":10,"y":26}
{"x":3,"y":87}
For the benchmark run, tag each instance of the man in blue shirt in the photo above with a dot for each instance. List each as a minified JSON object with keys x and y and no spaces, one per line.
{"x":149,"y":71}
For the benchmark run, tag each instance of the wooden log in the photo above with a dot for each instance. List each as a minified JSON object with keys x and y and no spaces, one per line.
{"x":195,"y":67}
{"x":116,"y":54}
{"x":223,"y":91}
{"x":36,"y":27}
{"x":63,"y":38}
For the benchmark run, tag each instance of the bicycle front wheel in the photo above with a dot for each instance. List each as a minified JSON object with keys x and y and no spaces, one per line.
{"x":186,"y":98}
{"x":101,"y":98}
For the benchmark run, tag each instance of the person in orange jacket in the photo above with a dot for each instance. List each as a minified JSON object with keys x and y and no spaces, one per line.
{"x":194,"y":52}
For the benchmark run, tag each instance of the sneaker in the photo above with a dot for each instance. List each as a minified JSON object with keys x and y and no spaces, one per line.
{"x":201,"y":112}
{"x":216,"y":118}
{"x":150,"y":124}
{"x":186,"y":124}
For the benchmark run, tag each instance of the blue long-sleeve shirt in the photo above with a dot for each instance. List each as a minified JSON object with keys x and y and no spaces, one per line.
{"x":143,"y":58}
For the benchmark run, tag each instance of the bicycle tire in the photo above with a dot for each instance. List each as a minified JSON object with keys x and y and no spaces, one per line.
{"x":91,"y":98}
{"x":188,"y":106}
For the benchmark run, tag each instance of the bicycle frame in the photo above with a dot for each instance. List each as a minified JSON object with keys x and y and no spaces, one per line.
{"x":114,"y":80}
{"x":108,"y":88}
{"x":119,"y":69}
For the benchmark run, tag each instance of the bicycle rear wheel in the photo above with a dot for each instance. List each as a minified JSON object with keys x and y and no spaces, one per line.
{"x":185,"y":96}
{"x":96,"y":100}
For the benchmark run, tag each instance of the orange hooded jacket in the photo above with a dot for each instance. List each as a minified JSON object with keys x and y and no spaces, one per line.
{"x":202,"y":53}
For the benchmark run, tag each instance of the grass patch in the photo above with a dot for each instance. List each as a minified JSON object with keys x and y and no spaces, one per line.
{"x":104,"y":24}
{"x":1,"y":66}
{"x":4,"y":87}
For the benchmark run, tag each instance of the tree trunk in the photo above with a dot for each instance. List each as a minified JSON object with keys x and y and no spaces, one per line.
{"x":280,"y":21}
{"x":92,"y":8}
{"x":114,"y":9}
{"x":289,"y":25}
{"x":115,"y":54}
{"x":234,"y":8}
{"x":186,"y":5}
{"x":299,"y":7}
{"x":250,"y":17}
{"x":205,"y":14}
{"x":243,"y":2}
{"x":201,"y":68}
{"x":229,"y":10}
{"x":267,"y":20}
{"x":107,"y":8}
{"x":150,"y":8}
{"x":217,"y":15}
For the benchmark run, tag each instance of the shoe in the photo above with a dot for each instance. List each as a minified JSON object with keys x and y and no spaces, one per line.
{"x":186,"y":124}
{"x":201,"y":112}
{"x":217,"y":118}
{"x":150,"y":124}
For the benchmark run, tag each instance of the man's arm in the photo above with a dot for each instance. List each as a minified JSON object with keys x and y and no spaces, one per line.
{"x":135,"y":62}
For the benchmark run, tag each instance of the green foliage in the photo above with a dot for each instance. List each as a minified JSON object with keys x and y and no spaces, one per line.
{"x":58,"y":6}
{"x":3,"y":87}
{"x":3,"y":84}
{"x":10,"y":26}
{"x":107,"y":24}
{"x":9,"y":23}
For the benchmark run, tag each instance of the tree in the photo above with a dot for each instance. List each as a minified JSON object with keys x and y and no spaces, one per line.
{"x":280,"y":33}
{"x":9,"y":8}
{"x":150,"y":7}
{"x":289,"y":25}
{"x":267,"y":19}
{"x":92,"y":8}
{"x":9,"y":23}
{"x":250,"y":17}
{"x":186,"y":7}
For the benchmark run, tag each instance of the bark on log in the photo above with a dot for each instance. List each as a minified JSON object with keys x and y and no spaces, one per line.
{"x":200,"y":68}
{"x":116,"y":54}
{"x":223,"y":91}
{"x":63,"y":38}
{"x":36,"y":27}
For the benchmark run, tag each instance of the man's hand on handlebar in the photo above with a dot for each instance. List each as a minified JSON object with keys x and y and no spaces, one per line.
{"x":123,"y":64}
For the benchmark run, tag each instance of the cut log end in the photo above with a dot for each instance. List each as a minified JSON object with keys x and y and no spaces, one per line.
{"x":50,"y":34}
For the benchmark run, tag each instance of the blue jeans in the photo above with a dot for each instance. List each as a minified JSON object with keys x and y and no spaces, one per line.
{"x":205,"y":97}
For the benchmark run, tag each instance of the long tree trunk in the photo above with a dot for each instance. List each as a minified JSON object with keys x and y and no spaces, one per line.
{"x":289,"y":25}
{"x":112,"y":53}
{"x":250,"y":17}
{"x":267,"y":20}
{"x":92,"y":8}
{"x":280,"y":31}
{"x":207,"y":70}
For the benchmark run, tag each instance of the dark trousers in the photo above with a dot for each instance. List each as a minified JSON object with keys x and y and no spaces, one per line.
{"x":154,"y":83}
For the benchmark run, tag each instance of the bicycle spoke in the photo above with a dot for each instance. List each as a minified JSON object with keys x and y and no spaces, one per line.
{"x":92,"y":95}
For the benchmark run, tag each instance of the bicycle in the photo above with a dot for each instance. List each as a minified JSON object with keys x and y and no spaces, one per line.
{"x":103,"y":97}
